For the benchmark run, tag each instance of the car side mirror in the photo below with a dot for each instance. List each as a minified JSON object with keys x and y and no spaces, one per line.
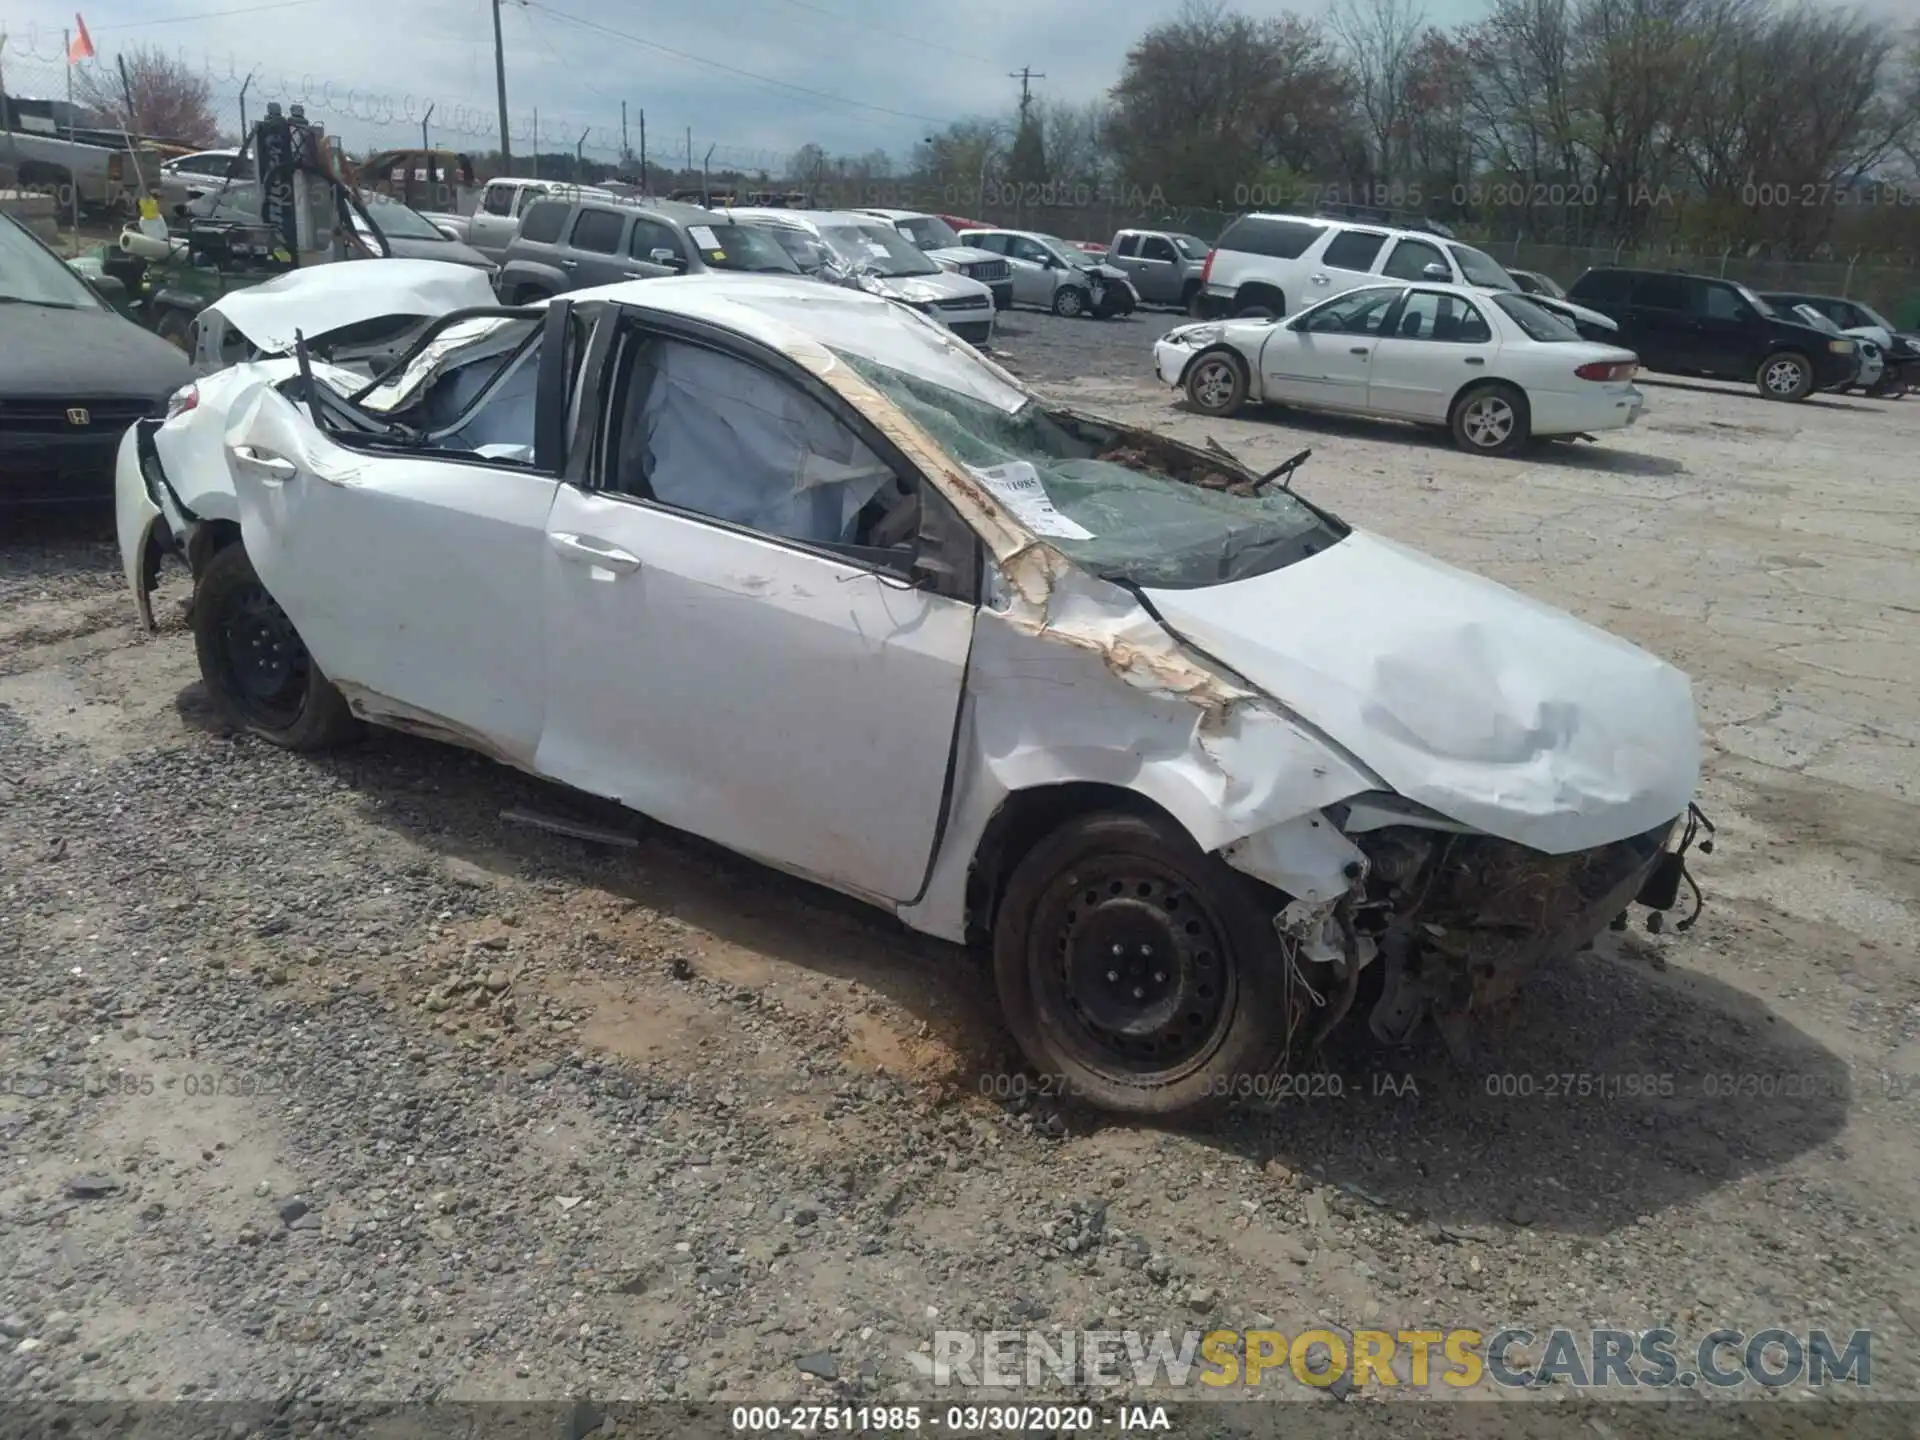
{"x":110,"y":288}
{"x":663,"y":256}
{"x":1436,"y":271}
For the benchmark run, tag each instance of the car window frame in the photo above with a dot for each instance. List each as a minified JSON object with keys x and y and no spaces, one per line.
{"x":1130,"y":245}
{"x":1347,"y":231}
{"x":1406,"y":300}
{"x":1172,"y":255}
{"x":560,"y":229}
{"x":509,"y":192}
{"x":595,"y":212}
{"x":1412,"y":242}
{"x":1265,"y":227}
{"x":953,"y":571}
{"x":384,"y":447}
{"x":1360,"y":292}
{"x":677,"y":245}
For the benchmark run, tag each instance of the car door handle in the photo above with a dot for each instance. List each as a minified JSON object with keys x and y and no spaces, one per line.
{"x":1323,"y":279}
{"x":585,"y":550}
{"x":1475,"y":360}
{"x":568,"y":264}
{"x":263,"y":463}
{"x":1359,"y":350}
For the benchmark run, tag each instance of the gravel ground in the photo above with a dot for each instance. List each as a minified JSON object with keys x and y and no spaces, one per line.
{"x":321,"y":1080}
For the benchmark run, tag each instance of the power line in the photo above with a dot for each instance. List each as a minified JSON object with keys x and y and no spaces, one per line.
{"x":204,"y":15}
{"x":608,"y":30}
{"x":897,"y":34}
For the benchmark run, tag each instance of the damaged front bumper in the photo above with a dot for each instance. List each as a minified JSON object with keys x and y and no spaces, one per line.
{"x":1457,"y":921}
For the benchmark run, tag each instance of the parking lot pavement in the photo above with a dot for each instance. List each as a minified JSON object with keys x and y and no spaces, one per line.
{"x":322,"y":1079}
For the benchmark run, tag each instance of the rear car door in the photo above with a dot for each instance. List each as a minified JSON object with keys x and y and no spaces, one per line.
{"x":1345,"y":260}
{"x":740,"y":641}
{"x":1034,"y":272}
{"x":1665,"y":336}
{"x":1438,"y":342}
{"x":596,"y":246}
{"x":1725,"y":329}
{"x":1325,"y":357}
{"x":494,"y":220}
{"x":411,"y":570}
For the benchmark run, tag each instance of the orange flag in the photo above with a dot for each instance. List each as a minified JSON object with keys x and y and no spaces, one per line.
{"x":82,"y":46}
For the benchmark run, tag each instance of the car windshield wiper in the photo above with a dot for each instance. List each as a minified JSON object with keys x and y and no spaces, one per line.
{"x":43,"y":304}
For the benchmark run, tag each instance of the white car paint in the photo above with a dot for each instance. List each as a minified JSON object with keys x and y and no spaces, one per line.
{"x":949,"y":257}
{"x":1396,"y":377}
{"x":816,"y":713}
{"x":324,"y":298}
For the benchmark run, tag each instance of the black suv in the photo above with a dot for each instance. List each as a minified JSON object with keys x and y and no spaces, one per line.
{"x":1680,"y":324}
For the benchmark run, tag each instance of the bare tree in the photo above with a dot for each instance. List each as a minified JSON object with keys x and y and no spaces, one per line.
{"x":170,"y":102}
{"x":1381,"y":43}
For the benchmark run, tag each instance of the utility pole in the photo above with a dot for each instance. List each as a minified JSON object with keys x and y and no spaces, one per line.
{"x":625,"y":150}
{"x":426,"y":159}
{"x":643,"y":152}
{"x":579,"y":159}
{"x":243,"y":106}
{"x":1024,"y":75}
{"x":689,"y":153}
{"x":536,"y":142}
{"x":500,"y":86}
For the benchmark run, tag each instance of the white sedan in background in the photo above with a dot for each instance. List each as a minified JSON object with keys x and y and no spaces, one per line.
{"x":1494,"y":367}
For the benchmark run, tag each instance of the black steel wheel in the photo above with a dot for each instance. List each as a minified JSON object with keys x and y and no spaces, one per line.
{"x":1140,"y":971}
{"x":254,"y":663}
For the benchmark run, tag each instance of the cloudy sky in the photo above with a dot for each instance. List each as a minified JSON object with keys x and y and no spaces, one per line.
{"x":754,"y":78}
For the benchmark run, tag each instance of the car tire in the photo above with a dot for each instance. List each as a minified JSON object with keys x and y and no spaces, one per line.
{"x":1255,"y":311}
{"x":1193,"y":300}
{"x":1108,"y":906}
{"x":279,"y":695}
{"x":1784,"y":375}
{"x":1216,"y":383}
{"x":1070,"y":302}
{"x":1490,"y":419}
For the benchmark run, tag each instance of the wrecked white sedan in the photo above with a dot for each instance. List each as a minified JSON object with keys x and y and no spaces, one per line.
{"x":791,"y":568}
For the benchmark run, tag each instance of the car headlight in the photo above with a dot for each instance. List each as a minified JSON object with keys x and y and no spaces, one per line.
{"x":1196,"y":334}
{"x":186,"y":398}
{"x":1840,"y":347}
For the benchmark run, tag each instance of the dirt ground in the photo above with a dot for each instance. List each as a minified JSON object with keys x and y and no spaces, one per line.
{"x":320,"y":1079}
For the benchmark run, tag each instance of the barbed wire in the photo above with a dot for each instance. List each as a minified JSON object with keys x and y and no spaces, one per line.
{"x":28,"y":55}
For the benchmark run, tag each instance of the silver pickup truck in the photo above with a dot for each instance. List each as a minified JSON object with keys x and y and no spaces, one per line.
{"x":496,"y":217}
{"x":107,"y":177}
{"x":1164,"y":265}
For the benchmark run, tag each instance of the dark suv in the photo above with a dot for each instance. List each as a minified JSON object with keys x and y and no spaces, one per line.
{"x":571,"y":244}
{"x":1680,"y":324}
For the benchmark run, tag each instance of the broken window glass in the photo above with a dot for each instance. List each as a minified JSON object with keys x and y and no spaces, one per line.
{"x":1141,"y":523}
{"x":710,"y":433}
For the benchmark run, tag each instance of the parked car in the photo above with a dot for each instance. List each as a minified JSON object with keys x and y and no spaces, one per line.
{"x":866,"y":252}
{"x":105,"y":174}
{"x":1534,"y":283}
{"x":940,"y":242}
{"x":496,"y":218}
{"x":187,"y":177}
{"x":1164,"y":265}
{"x":409,"y":235}
{"x":847,"y":598}
{"x":73,"y":375}
{"x":1901,"y":353}
{"x":1680,"y":324}
{"x":1870,"y":367}
{"x":1495,"y":369}
{"x":1263,"y":264}
{"x":565,"y":244}
{"x":1053,"y":275}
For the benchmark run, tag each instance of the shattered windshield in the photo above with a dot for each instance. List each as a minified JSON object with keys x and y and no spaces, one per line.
{"x":1111,"y":507}
{"x":877,"y":249}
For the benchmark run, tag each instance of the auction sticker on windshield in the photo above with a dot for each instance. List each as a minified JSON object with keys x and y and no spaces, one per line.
{"x":1017,"y":486}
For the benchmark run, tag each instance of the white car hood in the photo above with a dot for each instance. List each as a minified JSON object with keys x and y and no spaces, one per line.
{"x":323,"y":298}
{"x":1487,"y":706}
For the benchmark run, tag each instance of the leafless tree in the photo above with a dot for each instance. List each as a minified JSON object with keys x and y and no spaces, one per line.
{"x":170,"y":101}
{"x":1380,"y":40}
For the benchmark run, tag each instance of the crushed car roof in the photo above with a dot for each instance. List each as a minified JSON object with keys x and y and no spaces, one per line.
{"x":322,"y":298}
{"x":803,"y":318}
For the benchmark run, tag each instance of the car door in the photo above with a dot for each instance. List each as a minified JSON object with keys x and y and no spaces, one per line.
{"x":1663,"y":334}
{"x":411,"y":572}
{"x":596,"y":246}
{"x":494,"y":220}
{"x":1409,"y":259}
{"x":1725,"y":331}
{"x":1346,"y":259}
{"x":1438,"y":342}
{"x":736,"y":645}
{"x":654,"y":248}
{"x":1035,"y":271}
{"x":1324,"y":356}
{"x":1162,"y":275}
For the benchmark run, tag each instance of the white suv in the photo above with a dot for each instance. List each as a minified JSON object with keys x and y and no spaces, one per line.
{"x":1265,"y":265}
